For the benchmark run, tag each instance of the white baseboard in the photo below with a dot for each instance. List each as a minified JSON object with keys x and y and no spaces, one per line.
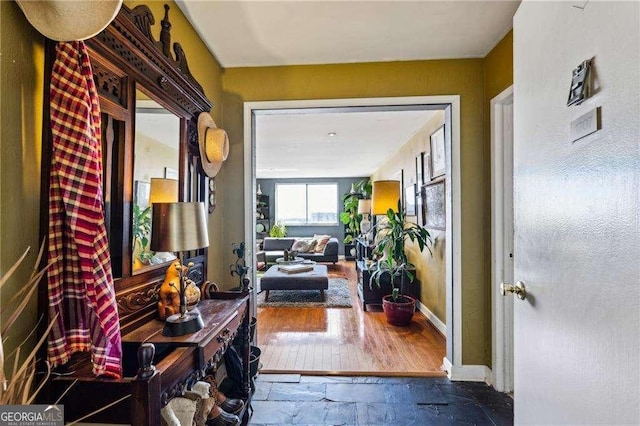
{"x":433,"y":319}
{"x":468,"y":373}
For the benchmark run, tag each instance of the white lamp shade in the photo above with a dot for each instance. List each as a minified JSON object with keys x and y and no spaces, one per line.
{"x":364,"y":206}
{"x":163,"y":191}
{"x":385,"y":196}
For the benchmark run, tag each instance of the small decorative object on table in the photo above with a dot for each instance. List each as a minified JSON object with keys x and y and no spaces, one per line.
{"x":296,"y":268}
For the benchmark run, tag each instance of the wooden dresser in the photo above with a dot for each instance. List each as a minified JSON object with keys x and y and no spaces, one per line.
{"x":131,"y":68}
{"x":178,"y":363}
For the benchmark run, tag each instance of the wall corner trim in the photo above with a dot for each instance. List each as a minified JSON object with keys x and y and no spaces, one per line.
{"x":468,"y":373}
{"x":433,"y":319}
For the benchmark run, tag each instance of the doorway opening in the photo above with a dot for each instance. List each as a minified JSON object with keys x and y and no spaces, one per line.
{"x":452,"y":330}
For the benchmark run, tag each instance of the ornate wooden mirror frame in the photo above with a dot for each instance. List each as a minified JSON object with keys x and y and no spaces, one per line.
{"x":124,"y":57}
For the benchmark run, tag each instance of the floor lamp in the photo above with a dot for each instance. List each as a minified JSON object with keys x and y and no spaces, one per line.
{"x":384,"y":196}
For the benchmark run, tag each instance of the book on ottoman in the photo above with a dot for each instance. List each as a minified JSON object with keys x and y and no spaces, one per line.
{"x":294,"y":269}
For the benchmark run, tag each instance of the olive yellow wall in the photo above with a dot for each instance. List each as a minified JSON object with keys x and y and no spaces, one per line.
{"x":430,"y":268}
{"x":462,"y":77}
{"x":21,"y":81}
{"x":207,"y":71}
{"x":498,"y":75}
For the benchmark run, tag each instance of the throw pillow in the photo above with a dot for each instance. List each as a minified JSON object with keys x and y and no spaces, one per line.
{"x":312,"y":246}
{"x":322,"y":242}
{"x":301,"y":246}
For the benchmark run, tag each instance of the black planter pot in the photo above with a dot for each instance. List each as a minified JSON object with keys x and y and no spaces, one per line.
{"x":254,"y":361}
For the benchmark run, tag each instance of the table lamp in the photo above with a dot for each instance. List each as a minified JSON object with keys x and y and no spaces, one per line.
{"x":385,"y":196}
{"x":163,"y":191}
{"x":364,"y":208}
{"x":180,"y":227}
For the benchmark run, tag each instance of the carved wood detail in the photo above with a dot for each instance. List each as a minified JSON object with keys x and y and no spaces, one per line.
{"x":131,"y":302}
{"x":109,"y":84}
{"x":181,"y":387}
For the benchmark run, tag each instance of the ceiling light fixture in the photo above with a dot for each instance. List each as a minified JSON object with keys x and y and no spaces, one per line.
{"x":331,"y":134}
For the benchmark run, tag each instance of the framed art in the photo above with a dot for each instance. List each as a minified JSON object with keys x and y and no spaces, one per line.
{"x":438,"y":164}
{"x":170,"y":173}
{"x":434,"y":205}
{"x":410,"y":200}
{"x":419,"y":205}
{"x":142,"y":192}
{"x":399,"y":176}
{"x":420,"y":169}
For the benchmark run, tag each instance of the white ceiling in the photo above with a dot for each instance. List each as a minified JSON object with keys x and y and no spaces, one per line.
{"x":298,"y":144}
{"x":243,"y":33}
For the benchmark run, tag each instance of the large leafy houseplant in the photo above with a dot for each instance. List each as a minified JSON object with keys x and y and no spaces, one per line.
{"x":394,"y":231}
{"x":350,"y":216}
{"x":141,"y":232}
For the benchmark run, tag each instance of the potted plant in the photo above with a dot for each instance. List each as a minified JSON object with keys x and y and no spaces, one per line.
{"x":350,"y":216}
{"x":393,"y":233}
{"x":278,"y":230}
{"x":141,"y":233}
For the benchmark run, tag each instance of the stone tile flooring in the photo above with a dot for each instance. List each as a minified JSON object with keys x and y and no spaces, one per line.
{"x":292,"y":399}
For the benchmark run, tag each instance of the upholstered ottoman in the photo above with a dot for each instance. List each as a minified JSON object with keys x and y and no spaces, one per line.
{"x":274,"y":279}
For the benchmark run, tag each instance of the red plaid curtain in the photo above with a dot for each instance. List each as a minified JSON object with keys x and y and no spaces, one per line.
{"x":80,"y":280}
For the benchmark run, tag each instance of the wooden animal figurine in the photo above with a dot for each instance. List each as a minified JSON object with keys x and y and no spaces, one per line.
{"x":169,"y":295}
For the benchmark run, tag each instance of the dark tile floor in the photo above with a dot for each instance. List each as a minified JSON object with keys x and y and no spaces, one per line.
{"x":291,"y":399}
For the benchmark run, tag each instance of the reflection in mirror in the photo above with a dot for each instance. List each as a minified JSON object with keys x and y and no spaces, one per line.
{"x":155,"y":174}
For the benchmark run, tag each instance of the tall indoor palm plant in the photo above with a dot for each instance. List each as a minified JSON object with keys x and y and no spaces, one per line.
{"x":393,"y":232}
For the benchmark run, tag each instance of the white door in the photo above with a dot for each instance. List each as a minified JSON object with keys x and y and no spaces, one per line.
{"x":576,"y":210}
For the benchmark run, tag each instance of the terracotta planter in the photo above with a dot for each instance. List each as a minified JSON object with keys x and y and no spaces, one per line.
{"x":399,"y":313}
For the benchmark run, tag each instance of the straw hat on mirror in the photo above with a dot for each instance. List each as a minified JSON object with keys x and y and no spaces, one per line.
{"x":213,"y":143}
{"x":70,"y":20}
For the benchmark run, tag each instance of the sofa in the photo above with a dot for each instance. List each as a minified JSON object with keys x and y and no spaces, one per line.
{"x":274,"y":248}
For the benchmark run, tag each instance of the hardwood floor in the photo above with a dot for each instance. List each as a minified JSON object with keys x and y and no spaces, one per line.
{"x":346,"y":341}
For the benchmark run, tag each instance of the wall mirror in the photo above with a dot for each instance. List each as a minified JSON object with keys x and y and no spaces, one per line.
{"x":150,"y":104}
{"x":155,"y":175}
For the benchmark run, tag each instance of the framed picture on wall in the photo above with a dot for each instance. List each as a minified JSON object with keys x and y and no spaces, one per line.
{"x":399,"y":176}
{"x":426,"y":168}
{"x":419,"y":205}
{"x":141,"y":194}
{"x":434,"y":205}
{"x":420,"y":169}
{"x":410,"y":199}
{"x":170,"y":173}
{"x":438,"y":162}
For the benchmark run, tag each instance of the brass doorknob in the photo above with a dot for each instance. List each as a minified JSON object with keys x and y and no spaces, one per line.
{"x":519,"y":289}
